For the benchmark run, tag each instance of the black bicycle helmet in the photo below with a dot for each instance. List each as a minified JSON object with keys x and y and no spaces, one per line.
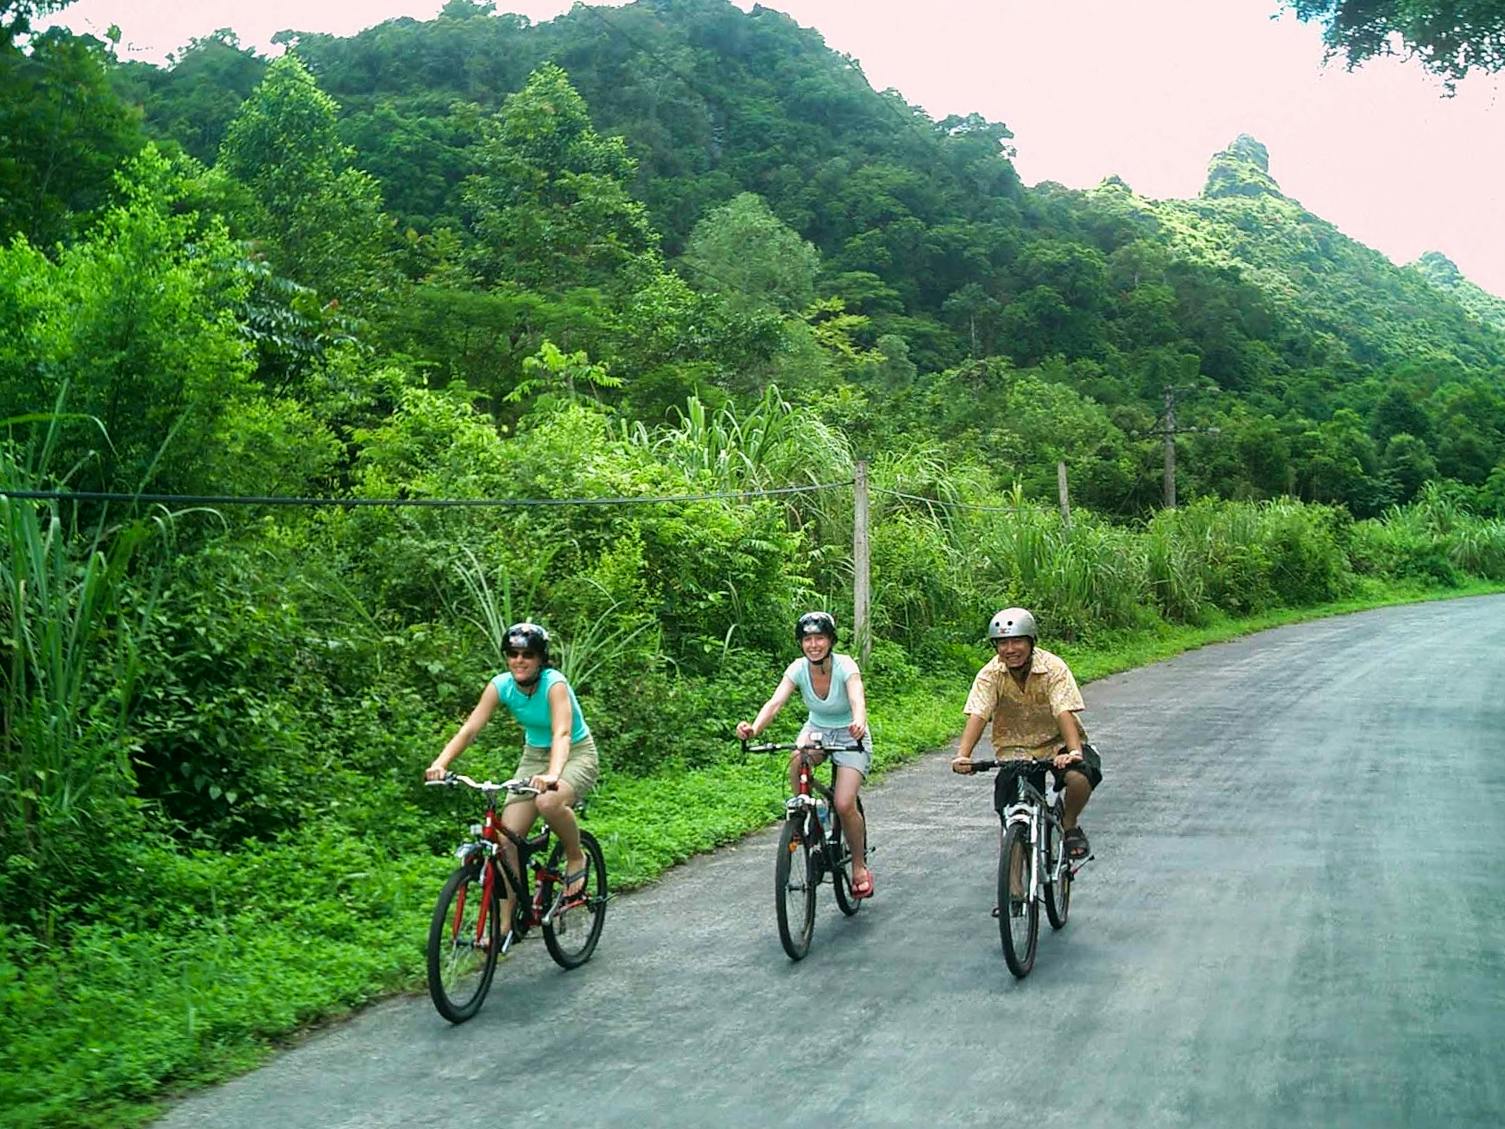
{"x":528,"y":637}
{"x":815,"y":623}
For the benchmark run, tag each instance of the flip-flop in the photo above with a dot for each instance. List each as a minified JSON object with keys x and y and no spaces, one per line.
{"x":863,"y":888}
{"x":570,"y":879}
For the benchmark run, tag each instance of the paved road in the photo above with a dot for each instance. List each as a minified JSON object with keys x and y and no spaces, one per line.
{"x":1296,"y":918}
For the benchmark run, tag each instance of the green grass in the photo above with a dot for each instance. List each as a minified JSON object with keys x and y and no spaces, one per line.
{"x":236,"y":955}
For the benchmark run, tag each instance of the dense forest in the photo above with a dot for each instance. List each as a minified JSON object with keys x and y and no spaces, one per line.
{"x":671,"y":251}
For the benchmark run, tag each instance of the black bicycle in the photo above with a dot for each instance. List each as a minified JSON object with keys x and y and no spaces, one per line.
{"x":811,"y":849}
{"x":467,"y":934}
{"x":1033,"y":866}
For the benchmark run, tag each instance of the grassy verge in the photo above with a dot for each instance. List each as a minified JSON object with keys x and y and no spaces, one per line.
{"x":259,"y":946}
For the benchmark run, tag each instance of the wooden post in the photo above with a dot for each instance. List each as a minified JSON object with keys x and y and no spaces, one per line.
{"x":860,"y":582}
{"x":1063,"y":492}
{"x":1170,"y":448}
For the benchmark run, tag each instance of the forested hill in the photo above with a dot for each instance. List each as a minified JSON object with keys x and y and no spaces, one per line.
{"x":920,"y":270}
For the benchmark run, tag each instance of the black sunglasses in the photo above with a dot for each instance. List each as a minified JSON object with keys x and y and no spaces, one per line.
{"x":516,"y":653}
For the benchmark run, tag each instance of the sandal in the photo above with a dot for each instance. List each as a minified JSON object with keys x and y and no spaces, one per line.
{"x":570,"y":879}
{"x":1076,"y":844}
{"x":863,"y":887}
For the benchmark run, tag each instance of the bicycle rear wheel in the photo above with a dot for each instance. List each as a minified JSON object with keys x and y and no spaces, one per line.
{"x":1018,"y":913}
{"x":572,"y":932}
{"x":464,"y":940}
{"x":841,"y":881}
{"x":1057,"y":877}
{"x":794,"y":881}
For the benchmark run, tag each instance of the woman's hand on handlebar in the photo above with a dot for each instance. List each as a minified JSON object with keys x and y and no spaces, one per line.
{"x":436,"y":771}
{"x":745,"y":731}
{"x":858,"y":730}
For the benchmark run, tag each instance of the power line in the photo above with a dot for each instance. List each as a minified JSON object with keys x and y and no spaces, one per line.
{"x":353,"y":503}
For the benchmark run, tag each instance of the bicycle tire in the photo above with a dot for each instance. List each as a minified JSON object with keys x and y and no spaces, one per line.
{"x":571,"y":934}
{"x":841,"y":879}
{"x":462,"y":953}
{"x":1018,"y":915}
{"x":1057,"y":877}
{"x":794,"y":888}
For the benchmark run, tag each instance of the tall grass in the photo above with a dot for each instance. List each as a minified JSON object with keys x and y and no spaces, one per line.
{"x":594,"y":644}
{"x":69,"y":625}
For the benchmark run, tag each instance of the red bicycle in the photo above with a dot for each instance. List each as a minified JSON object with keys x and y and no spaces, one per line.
{"x":466,"y":935}
{"x":811,"y":847}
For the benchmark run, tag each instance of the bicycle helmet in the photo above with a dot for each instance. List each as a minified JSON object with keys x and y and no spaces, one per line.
{"x":815,"y":623}
{"x":1012,"y":623}
{"x":528,"y":637}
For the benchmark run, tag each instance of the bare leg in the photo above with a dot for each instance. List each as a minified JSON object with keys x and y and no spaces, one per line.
{"x":1078,"y":791}
{"x":848,"y":781}
{"x":555,"y":807}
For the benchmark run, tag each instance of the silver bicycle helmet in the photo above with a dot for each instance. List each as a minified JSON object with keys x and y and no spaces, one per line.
{"x":1012,"y":623}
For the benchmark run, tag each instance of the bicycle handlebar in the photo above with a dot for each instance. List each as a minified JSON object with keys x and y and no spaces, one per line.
{"x":783,"y":746}
{"x":990,"y":765}
{"x":518,"y":786}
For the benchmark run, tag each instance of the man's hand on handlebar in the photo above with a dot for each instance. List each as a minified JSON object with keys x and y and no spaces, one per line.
{"x":962,"y":765}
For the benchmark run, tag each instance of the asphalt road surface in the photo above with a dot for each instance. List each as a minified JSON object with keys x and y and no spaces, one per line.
{"x":1295,"y":918}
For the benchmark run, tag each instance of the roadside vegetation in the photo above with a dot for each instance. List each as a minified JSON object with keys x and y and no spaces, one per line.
{"x":434,"y":263}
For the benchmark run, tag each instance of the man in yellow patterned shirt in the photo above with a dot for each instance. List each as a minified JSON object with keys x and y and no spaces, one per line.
{"x":1033,"y":701}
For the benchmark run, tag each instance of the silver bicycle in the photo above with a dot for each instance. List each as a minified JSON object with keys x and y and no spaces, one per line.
{"x":1033,"y":867}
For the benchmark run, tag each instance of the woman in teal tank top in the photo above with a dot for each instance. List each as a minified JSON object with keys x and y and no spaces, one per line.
{"x":559,"y":753}
{"x":831,"y":687}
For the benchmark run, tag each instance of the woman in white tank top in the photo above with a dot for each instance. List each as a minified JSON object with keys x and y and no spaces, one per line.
{"x":831,"y":687}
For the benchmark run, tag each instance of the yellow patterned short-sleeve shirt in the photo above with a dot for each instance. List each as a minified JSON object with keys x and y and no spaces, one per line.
{"x":1024,"y":717}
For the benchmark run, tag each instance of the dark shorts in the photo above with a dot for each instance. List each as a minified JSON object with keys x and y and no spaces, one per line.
{"x":1004,"y":793}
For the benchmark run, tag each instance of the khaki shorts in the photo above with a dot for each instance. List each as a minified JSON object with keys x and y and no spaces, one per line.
{"x":580,"y":768}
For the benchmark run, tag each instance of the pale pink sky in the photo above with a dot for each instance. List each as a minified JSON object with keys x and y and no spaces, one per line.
{"x":1147,"y":90}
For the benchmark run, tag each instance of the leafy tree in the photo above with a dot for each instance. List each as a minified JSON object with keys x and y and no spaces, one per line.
{"x":1408,"y":464}
{"x":744,"y":252}
{"x":64,"y":131}
{"x":321,"y":218}
{"x":194,"y":102}
{"x":551,"y":205}
{"x":16,"y":16}
{"x":1397,"y":413}
{"x":1449,"y":37}
{"x":134,"y":327}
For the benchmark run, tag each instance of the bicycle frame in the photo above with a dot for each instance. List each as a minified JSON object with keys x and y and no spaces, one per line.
{"x":1034,"y":810}
{"x":488,"y":842}
{"x":804,"y":804}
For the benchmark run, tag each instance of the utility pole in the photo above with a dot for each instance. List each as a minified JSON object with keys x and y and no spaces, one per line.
{"x":1168,"y":432}
{"x":860,"y":589}
{"x":1168,"y":429}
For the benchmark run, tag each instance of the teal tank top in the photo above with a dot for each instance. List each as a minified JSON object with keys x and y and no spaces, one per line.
{"x":532,"y":710}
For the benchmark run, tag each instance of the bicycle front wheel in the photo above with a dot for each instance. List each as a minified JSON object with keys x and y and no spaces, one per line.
{"x":574,"y":927}
{"x":1057,"y":877}
{"x":464,"y":940}
{"x":841,"y":881}
{"x":1018,"y":913}
{"x":794,"y":886}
